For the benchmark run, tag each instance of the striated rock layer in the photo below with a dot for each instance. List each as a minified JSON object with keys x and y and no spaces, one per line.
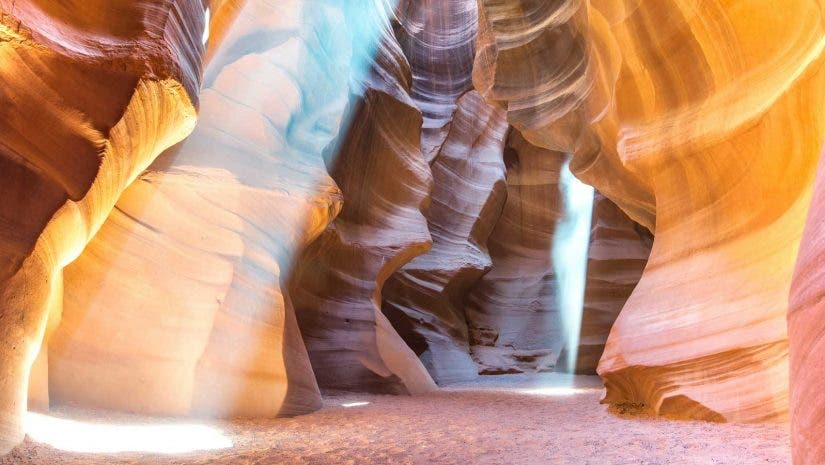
{"x":188,"y":316}
{"x":514,"y":322}
{"x":695,"y":119}
{"x":224,"y":215}
{"x":806,"y":327}
{"x":728,"y":148}
{"x":90,"y":94}
{"x":619,"y":248}
{"x":438,"y":38}
{"x":337,"y":285}
{"x":553,"y":66}
{"x":424,"y":300}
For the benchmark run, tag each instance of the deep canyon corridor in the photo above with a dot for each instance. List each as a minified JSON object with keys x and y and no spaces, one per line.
{"x":574,"y":232}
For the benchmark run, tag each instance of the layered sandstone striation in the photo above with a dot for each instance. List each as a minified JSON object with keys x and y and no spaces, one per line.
{"x":90,"y":94}
{"x":806,"y":326}
{"x":514,"y":321}
{"x":617,"y":254}
{"x":553,"y":67}
{"x":189,"y":314}
{"x":728,"y":148}
{"x":660,"y":102}
{"x":338,"y":281}
{"x":424,"y":300}
{"x":438,"y":38}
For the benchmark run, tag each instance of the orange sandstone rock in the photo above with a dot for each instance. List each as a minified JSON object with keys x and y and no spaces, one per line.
{"x":805,"y":332}
{"x":190,"y":314}
{"x":90,"y":94}
{"x":720,"y":110}
{"x":703,"y":124}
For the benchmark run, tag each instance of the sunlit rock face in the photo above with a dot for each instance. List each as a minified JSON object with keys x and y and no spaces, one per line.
{"x":338,"y":281}
{"x":806,"y":331}
{"x":424,"y":300}
{"x":90,"y":94}
{"x":618,"y":252}
{"x":726,"y":129}
{"x":188,"y":316}
{"x":514,"y":322}
{"x":552,"y":66}
{"x":703,"y":124}
{"x":222,"y":278}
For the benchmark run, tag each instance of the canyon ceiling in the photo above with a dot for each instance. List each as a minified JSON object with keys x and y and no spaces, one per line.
{"x":223,"y":208}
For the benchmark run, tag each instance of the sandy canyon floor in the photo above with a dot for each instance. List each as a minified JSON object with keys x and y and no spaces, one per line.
{"x":507,"y":420}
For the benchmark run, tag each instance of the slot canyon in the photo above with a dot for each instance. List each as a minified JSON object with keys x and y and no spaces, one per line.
{"x":576,"y":232}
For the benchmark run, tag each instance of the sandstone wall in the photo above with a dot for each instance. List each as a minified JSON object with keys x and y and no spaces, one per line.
{"x":90,"y":94}
{"x":692,"y":120}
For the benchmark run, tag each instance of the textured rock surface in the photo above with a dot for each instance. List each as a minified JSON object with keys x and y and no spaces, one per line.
{"x":702,"y":123}
{"x":806,"y":330}
{"x":553,"y":66}
{"x":438,"y":38}
{"x":514,"y":322}
{"x":424,"y":300}
{"x":385,"y":182}
{"x":671,"y":97}
{"x":197,"y":249}
{"x":728,"y":148}
{"x":90,"y":94}
{"x":619,"y":248}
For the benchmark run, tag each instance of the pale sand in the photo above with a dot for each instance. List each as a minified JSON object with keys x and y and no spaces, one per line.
{"x":504,"y":420}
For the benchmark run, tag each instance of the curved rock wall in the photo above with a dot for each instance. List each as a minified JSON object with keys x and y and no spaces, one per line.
{"x":424,"y":300}
{"x":685,"y":111}
{"x":806,"y":326}
{"x":188,"y":316}
{"x":619,"y":248}
{"x":338,"y":281}
{"x":553,"y":67}
{"x":514,"y":322}
{"x":727,"y":136}
{"x":438,"y":38}
{"x":90,"y":94}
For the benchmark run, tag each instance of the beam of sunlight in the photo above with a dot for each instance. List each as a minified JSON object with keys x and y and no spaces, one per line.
{"x":205,"y":36}
{"x":354,"y":404}
{"x":570,"y":248}
{"x":102,"y":438}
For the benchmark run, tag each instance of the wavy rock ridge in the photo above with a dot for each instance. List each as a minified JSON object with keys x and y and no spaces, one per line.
{"x":665,"y":99}
{"x":197,"y":250}
{"x":514,"y":320}
{"x":424,"y":300}
{"x":337,"y":286}
{"x":90,"y":96}
{"x":263,"y":243}
{"x":709,"y":311}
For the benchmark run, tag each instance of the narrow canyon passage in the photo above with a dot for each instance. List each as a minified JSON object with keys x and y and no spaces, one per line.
{"x":574,"y":232}
{"x":548,"y":419}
